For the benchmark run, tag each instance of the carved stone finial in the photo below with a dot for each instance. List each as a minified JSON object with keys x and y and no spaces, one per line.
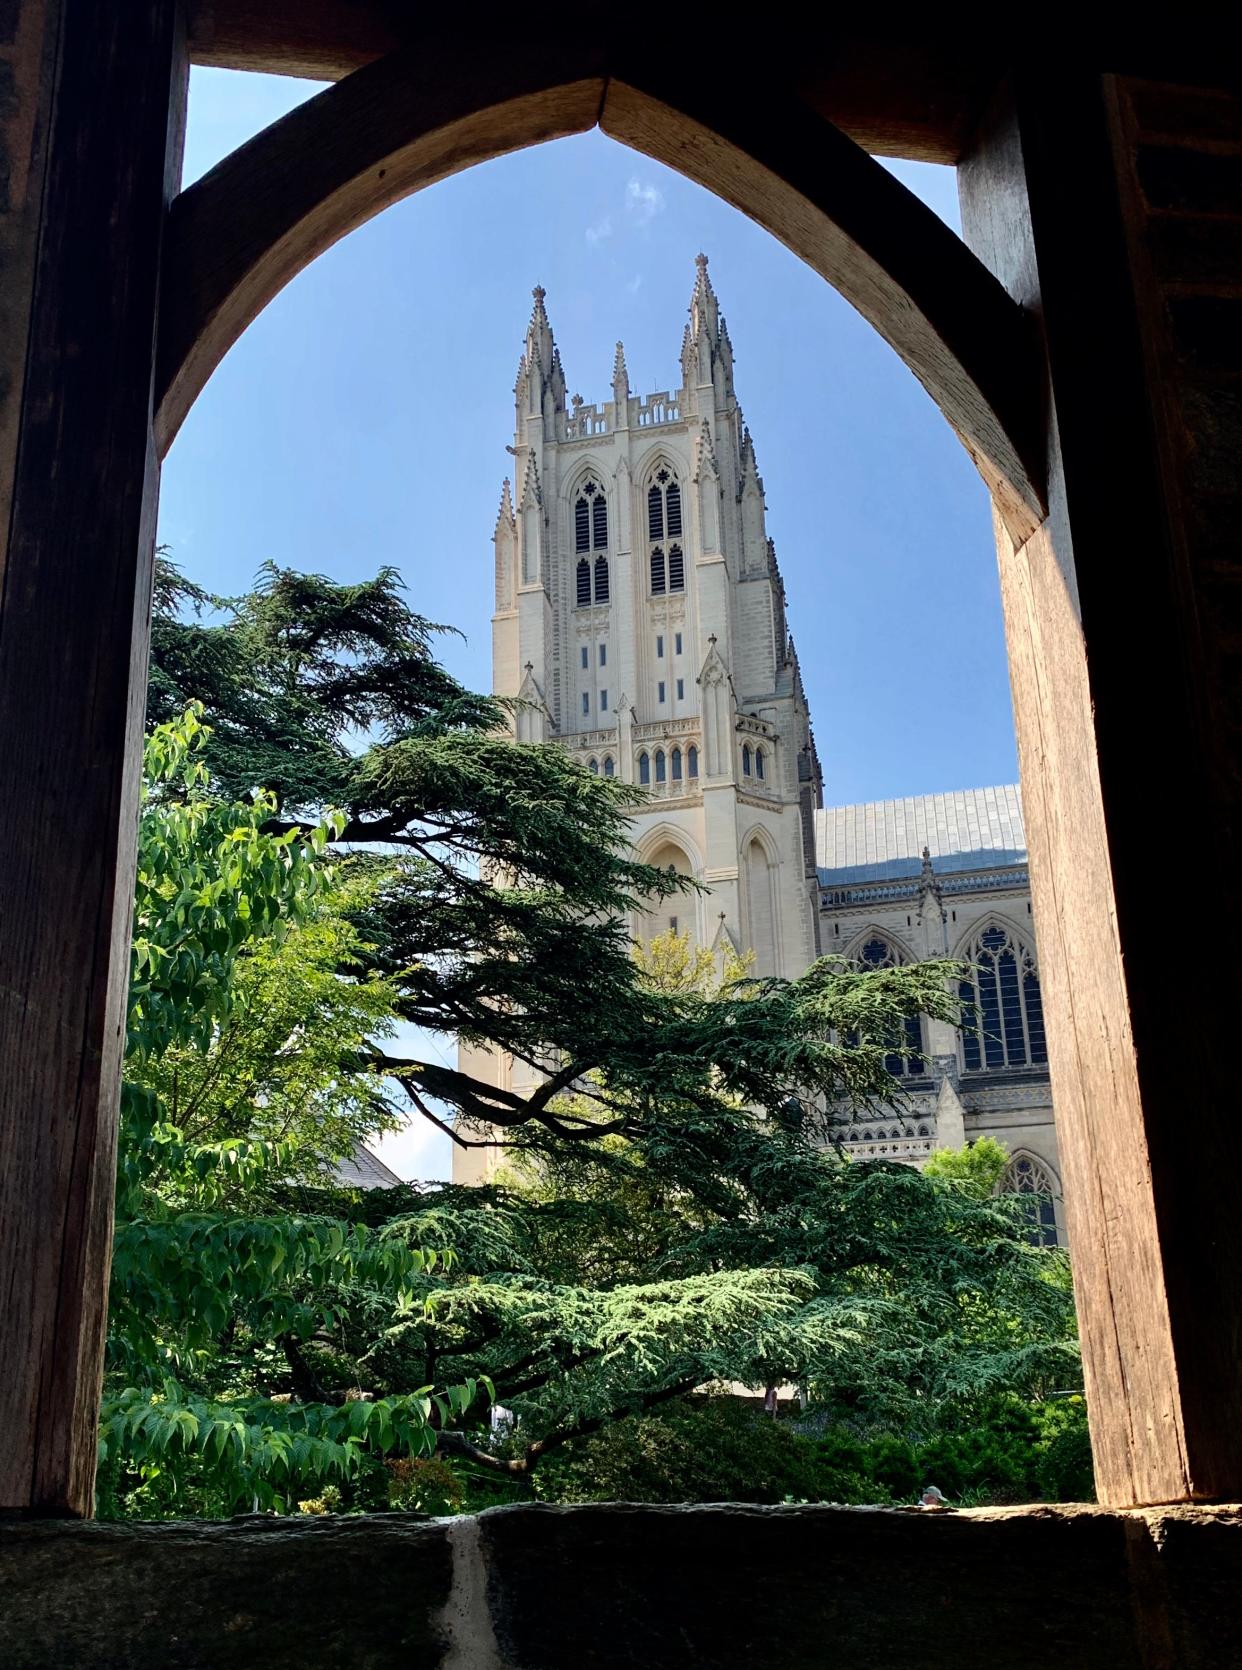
{"x":700,"y":262}
{"x":538,"y":293}
{"x":530,"y":667}
{"x":576,"y":401}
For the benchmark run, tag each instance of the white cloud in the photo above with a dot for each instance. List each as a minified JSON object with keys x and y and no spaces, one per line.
{"x":634,"y":283}
{"x":601,"y":230}
{"x":642,"y":202}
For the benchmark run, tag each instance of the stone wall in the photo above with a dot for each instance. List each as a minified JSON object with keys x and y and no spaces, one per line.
{"x":632,"y":1588}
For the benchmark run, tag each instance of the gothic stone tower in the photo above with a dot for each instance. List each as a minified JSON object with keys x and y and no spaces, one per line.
{"x":640,"y":615}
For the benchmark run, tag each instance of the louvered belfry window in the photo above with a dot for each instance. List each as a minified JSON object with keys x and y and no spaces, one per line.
{"x":591,"y":535}
{"x":668,"y":571}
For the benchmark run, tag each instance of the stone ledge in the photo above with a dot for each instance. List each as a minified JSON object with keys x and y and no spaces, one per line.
{"x":617,"y":1587}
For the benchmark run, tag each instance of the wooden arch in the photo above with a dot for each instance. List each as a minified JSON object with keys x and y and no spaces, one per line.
{"x":238,"y":235}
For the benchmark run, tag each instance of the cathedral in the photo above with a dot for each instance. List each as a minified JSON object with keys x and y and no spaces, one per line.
{"x":640,"y":615}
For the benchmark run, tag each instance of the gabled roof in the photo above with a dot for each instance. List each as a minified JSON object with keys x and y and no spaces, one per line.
{"x":364,"y":1170}
{"x":883,"y":840}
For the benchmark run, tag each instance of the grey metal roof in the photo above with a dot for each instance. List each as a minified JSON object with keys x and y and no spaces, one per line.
{"x":364,"y":1170}
{"x":883,"y":840}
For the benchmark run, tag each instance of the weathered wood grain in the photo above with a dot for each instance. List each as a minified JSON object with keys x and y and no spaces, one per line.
{"x":242,"y":232}
{"x":966,"y":340}
{"x":73,"y":647}
{"x":1116,"y":740}
{"x":910,"y":93}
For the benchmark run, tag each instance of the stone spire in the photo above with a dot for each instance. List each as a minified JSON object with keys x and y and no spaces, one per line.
{"x":620,"y":376}
{"x":706,"y":354}
{"x":704,"y":308}
{"x":540,"y":343}
{"x":541,"y":378}
{"x":532,"y":492}
{"x":932,"y":913}
{"x":504,"y":516}
{"x":688,"y":362}
{"x":505,"y":540}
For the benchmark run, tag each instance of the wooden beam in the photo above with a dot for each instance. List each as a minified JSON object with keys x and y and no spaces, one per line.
{"x":971,"y":346}
{"x":1129,"y":776}
{"x":238,"y":235}
{"x":242,"y":232}
{"x":913,"y":94}
{"x":109,"y":84}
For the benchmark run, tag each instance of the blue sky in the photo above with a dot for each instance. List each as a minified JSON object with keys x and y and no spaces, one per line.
{"x":363,"y":419}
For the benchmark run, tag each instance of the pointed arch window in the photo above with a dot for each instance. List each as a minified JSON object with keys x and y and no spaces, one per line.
{"x":1031,"y":1180}
{"x":593,"y":767}
{"x":759,"y":763}
{"x":746,"y":759}
{"x":660,"y":765}
{"x":584,"y":583}
{"x":601,"y":580}
{"x":675,"y":765}
{"x":907,"y":1060}
{"x":1002,"y":1010}
{"x":663,"y":523}
{"x":644,"y":768}
{"x":591,"y":518}
{"x":692,"y":761}
{"x":609,"y":768}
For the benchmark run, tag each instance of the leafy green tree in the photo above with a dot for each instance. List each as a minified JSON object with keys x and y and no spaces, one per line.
{"x":977,"y":1168}
{"x":206,"y":1290}
{"x":502,"y":881}
{"x":669,"y":1219}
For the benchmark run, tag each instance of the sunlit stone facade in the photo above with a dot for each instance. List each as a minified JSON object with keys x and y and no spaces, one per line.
{"x":640,"y":616}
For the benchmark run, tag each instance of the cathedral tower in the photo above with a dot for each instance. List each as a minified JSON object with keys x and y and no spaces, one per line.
{"x":640,"y":613}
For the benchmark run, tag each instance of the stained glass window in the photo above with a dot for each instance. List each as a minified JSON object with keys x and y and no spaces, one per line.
{"x":644,"y":768}
{"x":1002,"y":1010}
{"x":676,"y":765}
{"x":1030,"y":1178}
{"x":876,"y":952}
{"x":660,"y":765}
{"x":692,"y":761}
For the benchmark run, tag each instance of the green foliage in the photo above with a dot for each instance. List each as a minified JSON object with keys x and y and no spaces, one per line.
{"x":976,"y":1169}
{"x":715,"y":1449}
{"x":1009,"y":1450}
{"x":668,"y":1220}
{"x":209,"y":1283}
{"x":501,"y":881}
{"x":724,"y":1449}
